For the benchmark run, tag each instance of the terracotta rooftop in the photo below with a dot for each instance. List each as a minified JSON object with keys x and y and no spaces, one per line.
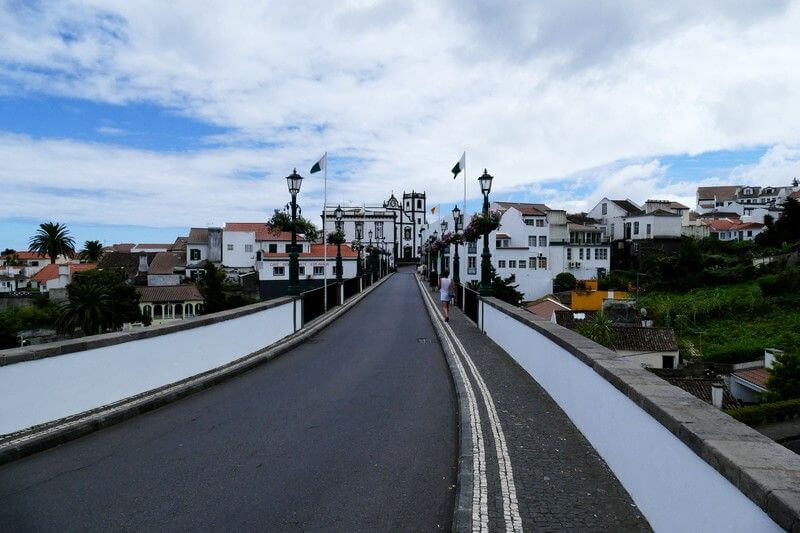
{"x":198,"y":236}
{"x":545,"y":308}
{"x":641,"y":339}
{"x":525,"y":208}
{"x":262,"y":230}
{"x":163,"y":263}
{"x":51,"y":271}
{"x":629,"y":207}
{"x":726,"y":224}
{"x":27,"y":256}
{"x":698,"y":387}
{"x":720,"y":192}
{"x":173,"y":293}
{"x":756,"y":376}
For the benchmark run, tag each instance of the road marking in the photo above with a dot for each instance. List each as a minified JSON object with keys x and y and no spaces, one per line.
{"x":507,"y":486}
{"x":480,"y":506}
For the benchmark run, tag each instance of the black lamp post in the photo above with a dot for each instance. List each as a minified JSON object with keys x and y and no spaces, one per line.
{"x":381,"y":269}
{"x":370,"y":259}
{"x":443,"y":225}
{"x":357,"y":246}
{"x":294,"y":180}
{"x":337,"y":215}
{"x":486,"y":257}
{"x":456,"y":224}
{"x":423,"y":255}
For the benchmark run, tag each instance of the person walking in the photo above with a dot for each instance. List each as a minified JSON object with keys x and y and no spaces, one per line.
{"x":445,"y":294}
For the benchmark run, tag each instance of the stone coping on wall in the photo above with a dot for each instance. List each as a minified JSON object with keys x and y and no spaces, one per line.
{"x":52,"y":349}
{"x":763,"y":470}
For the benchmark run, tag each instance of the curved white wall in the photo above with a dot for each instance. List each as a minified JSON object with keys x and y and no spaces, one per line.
{"x":34,"y":392}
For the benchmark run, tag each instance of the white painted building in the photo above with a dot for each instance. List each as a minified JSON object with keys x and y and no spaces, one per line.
{"x":401,"y":226}
{"x":244,"y":244}
{"x":202,"y":244}
{"x":535,"y":243}
{"x":275,"y":266}
{"x":611,"y":214}
{"x":725,"y":229}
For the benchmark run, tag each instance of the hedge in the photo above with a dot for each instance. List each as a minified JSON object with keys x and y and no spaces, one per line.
{"x":765,"y":413}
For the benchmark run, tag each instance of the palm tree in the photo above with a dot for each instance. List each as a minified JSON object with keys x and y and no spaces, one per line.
{"x":86,"y":309}
{"x":600,"y":329}
{"x":92,"y":250}
{"x":52,"y":239}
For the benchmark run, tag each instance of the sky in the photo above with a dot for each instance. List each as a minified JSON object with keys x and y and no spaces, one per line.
{"x":133,"y":121}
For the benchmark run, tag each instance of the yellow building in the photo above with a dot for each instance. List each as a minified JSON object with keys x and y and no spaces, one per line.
{"x":592,"y":299}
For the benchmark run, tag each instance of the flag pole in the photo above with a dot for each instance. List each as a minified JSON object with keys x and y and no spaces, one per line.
{"x":324,"y":233}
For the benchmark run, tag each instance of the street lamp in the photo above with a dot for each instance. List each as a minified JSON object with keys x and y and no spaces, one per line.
{"x":370,"y":260}
{"x":337,"y":215}
{"x":357,"y":246}
{"x":293,"y":181}
{"x":456,"y":227}
{"x":486,"y":257}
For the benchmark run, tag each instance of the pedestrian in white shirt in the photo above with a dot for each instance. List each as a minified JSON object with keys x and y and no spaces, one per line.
{"x":445,"y":294}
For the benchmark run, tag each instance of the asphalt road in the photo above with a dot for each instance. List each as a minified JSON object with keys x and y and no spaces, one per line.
{"x":353,"y":430}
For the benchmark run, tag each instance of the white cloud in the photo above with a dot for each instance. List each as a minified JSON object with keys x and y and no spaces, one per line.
{"x":535,"y":92}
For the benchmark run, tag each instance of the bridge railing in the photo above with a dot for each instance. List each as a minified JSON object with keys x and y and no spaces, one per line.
{"x":662,"y":443}
{"x":470,"y":302}
{"x":352,"y":287}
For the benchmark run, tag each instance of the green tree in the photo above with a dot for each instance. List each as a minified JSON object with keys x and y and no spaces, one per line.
{"x":211,"y":287}
{"x":282,"y":221}
{"x":784,"y":379}
{"x":92,"y":250}
{"x":99,"y":301}
{"x":8,"y":251}
{"x":599,"y":329}
{"x":564,"y":281}
{"x":502,"y":288}
{"x":786,"y":229}
{"x":52,"y":239}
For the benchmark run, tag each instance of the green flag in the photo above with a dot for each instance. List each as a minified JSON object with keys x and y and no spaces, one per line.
{"x":460,"y":165}
{"x":320,"y":165}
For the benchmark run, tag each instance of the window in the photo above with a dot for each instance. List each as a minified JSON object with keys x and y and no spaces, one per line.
{"x":749,"y":233}
{"x":501,"y":243}
{"x":273,"y":248}
{"x":230,"y":247}
{"x":194,"y":254}
{"x":604,"y":209}
{"x":512,"y":263}
{"x":406,"y":234}
{"x":597,"y":253}
{"x":588,"y":254}
{"x":543,"y":262}
{"x":419,"y":204}
{"x":569,"y":254}
{"x":319,"y":270}
{"x":34,"y":263}
{"x":471,"y":261}
{"x":522,"y":263}
{"x":248,"y":247}
{"x":301,"y":271}
{"x":542,"y":240}
{"x":636,"y":228}
{"x":419,"y":220}
{"x":278,"y":271}
{"x":379,"y":230}
{"x":288,"y":248}
{"x":649,"y":229}
{"x":472,"y":248}
{"x":531,"y":241}
{"x":667,"y":361}
{"x":531,"y":262}
{"x":333,"y":269}
{"x":612,"y":231}
{"x":529,"y":221}
{"x":501,"y":263}
{"x":539,"y":222}
{"x":360,"y":230}
{"x":580,"y":253}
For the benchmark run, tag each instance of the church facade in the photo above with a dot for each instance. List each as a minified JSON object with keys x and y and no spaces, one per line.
{"x":399,"y":226}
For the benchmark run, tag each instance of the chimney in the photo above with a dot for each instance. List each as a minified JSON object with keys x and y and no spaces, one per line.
{"x":716,"y":393}
{"x":143,"y":263}
{"x":63,"y":270}
{"x":769,"y":356}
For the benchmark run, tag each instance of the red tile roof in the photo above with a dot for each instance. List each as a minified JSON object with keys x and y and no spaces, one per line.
{"x":525,"y":208}
{"x":756,"y":376}
{"x":171,"y":293}
{"x":262,"y":230}
{"x":26,"y":256}
{"x":51,"y":271}
{"x":726,"y":224}
{"x":198,"y":236}
{"x":163,"y":263}
{"x":546,"y":307}
{"x":635,"y":338}
{"x":721,"y":192}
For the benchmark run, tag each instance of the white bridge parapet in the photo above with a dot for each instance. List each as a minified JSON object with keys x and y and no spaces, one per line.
{"x":39,"y":384}
{"x":687,"y":465}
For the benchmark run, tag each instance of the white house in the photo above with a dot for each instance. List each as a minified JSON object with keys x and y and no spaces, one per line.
{"x":202,"y":244}
{"x":726,"y":229}
{"x":748,"y":381}
{"x":58,"y":276}
{"x":273,"y":268}
{"x":535,"y":243}
{"x":611,"y":213}
{"x":658,"y":224}
{"x":244,"y":243}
